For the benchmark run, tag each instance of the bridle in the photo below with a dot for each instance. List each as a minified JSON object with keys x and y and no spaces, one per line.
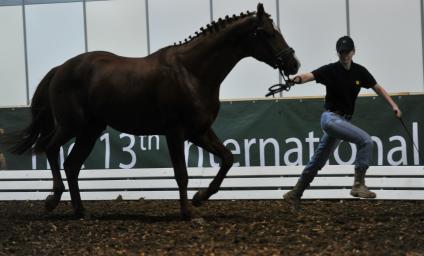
{"x":288,"y":83}
{"x":283,"y":55}
{"x":281,"y":58}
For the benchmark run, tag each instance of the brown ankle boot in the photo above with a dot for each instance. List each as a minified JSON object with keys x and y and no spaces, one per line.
{"x":359,"y":189}
{"x":293,"y":196}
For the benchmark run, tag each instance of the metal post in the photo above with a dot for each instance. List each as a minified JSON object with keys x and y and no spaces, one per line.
{"x":347,"y":17}
{"x":26,"y":53}
{"x":84,"y":10}
{"x":147,"y":26}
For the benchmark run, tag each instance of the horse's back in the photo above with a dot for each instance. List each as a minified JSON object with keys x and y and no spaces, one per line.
{"x":149,"y":95}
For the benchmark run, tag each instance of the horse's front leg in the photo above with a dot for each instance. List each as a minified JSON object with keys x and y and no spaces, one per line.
{"x":176,"y":151}
{"x":210,"y":142}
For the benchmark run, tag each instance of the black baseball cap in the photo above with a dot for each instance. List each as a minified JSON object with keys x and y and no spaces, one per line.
{"x":345,"y":44}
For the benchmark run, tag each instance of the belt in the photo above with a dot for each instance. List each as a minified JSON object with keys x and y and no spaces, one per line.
{"x":340,"y":113}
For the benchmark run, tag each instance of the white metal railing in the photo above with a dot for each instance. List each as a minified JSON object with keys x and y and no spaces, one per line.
{"x":333,"y":182}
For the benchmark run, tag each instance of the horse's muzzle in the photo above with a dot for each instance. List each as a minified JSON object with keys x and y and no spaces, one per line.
{"x":287,"y":62}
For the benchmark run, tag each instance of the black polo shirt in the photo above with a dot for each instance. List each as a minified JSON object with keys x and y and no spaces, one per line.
{"x":343,"y":85}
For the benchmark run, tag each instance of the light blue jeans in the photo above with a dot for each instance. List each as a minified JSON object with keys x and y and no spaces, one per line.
{"x":337,"y":128}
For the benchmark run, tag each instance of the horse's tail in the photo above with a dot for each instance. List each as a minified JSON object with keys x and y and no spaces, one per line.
{"x":37,"y":135}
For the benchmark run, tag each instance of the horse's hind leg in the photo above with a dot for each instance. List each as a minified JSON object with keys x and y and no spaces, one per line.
{"x":84,"y":143}
{"x":176,"y":151}
{"x":211,"y":143}
{"x":53,"y":200}
{"x":52,"y":150}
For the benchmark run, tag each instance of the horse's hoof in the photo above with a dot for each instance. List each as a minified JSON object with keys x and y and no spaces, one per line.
{"x":197,"y":199}
{"x":186,"y":216}
{"x":51,"y":202}
{"x":87,"y":216}
{"x":82,"y":214}
{"x":190,"y":214}
{"x":198,"y":221}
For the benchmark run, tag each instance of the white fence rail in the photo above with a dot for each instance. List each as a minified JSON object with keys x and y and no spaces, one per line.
{"x":333,"y":182}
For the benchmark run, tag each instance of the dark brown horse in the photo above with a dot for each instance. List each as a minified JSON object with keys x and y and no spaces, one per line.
{"x":172,"y":92}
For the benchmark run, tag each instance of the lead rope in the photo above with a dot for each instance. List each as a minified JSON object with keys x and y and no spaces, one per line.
{"x":279,"y":88}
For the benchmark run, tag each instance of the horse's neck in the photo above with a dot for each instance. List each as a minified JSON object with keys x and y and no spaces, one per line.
{"x":214,"y":55}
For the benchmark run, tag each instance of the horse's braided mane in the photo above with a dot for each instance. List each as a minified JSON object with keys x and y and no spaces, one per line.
{"x":215,"y":26}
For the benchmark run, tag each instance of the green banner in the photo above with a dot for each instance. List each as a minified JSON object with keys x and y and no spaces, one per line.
{"x":272,"y":132}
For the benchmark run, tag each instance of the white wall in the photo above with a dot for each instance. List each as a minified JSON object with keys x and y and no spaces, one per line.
{"x":12,"y":57}
{"x":55,"y":33}
{"x":388,"y":37}
{"x":107,"y":30}
{"x":387,"y":34}
{"x":174,"y":21}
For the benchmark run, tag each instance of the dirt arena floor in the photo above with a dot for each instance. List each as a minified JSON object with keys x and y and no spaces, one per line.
{"x":262,"y":227}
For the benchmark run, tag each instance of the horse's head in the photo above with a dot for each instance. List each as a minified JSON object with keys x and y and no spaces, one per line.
{"x":267,"y":44}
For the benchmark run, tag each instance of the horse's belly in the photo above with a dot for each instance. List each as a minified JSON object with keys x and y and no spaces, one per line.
{"x":156,"y":119}
{"x":146,"y":126}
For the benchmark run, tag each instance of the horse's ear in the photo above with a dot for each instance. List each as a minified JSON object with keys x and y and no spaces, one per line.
{"x":260,"y":11}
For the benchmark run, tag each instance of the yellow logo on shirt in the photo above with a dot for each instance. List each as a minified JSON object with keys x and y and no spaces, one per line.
{"x":358,"y":83}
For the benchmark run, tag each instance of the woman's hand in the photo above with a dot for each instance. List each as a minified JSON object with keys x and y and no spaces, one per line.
{"x":297,"y":80}
{"x":397,"y":111}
